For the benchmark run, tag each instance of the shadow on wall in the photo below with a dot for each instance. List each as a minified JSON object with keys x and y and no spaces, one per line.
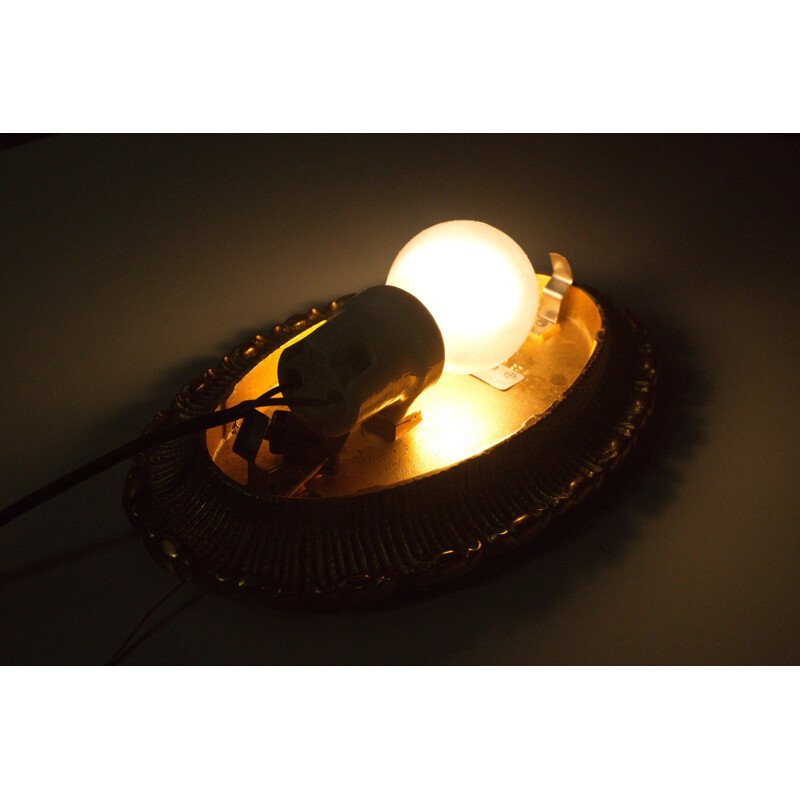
{"x":9,"y":140}
{"x":643,"y":486}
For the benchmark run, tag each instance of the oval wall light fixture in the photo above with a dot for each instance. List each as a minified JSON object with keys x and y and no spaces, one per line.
{"x":413,"y":455}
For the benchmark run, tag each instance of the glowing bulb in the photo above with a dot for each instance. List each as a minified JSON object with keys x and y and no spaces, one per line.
{"x":478,"y":285}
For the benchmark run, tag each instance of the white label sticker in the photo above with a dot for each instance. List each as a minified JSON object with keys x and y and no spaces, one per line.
{"x":500,"y":377}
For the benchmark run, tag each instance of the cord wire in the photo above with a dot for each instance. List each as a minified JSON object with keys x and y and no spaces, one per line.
{"x":130,"y":449}
{"x":130,"y":644}
{"x":120,"y":652}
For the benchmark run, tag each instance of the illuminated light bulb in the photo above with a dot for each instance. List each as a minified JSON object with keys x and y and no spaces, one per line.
{"x":461,"y":296}
{"x":478,"y":285}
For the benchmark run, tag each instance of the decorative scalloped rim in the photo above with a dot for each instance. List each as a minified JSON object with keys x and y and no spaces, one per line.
{"x":203,"y":526}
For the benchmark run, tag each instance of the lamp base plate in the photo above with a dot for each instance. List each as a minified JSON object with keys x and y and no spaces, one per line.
{"x":483,"y":472}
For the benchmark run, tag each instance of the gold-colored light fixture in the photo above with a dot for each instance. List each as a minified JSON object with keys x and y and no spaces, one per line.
{"x":414,"y":455}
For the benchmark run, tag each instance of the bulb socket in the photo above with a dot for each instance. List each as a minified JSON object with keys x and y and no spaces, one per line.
{"x":377,"y":355}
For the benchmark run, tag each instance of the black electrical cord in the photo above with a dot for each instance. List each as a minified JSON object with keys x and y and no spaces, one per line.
{"x":129,"y":450}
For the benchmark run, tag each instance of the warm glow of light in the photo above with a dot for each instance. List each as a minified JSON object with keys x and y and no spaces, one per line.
{"x":479,"y":286}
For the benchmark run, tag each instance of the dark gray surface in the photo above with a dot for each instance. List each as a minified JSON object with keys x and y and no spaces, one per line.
{"x":131,"y":263}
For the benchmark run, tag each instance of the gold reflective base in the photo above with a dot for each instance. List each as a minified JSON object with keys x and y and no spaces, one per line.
{"x":483,"y":471}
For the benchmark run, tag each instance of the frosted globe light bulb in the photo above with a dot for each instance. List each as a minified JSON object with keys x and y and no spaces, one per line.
{"x":478,"y":285}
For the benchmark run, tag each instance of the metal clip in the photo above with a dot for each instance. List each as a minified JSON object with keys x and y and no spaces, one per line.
{"x":552,"y":294}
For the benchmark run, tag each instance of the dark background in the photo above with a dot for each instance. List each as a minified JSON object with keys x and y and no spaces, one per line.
{"x":131,"y":263}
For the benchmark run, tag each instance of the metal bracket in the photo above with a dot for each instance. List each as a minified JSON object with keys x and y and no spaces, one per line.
{"x":552,"y":294}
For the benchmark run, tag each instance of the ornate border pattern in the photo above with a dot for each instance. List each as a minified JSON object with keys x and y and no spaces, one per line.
{"x":201,"y":525}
